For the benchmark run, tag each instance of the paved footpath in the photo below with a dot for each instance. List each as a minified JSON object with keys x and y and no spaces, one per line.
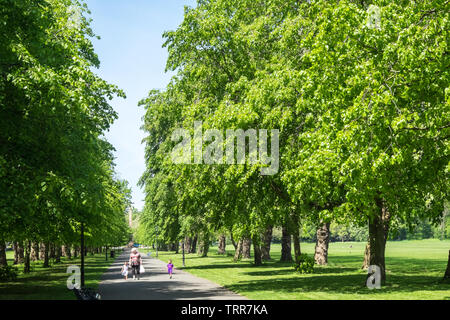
{"x":155,"y":284}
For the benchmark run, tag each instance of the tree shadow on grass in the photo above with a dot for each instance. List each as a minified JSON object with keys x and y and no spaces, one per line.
{"x":340,"y":284}
{"x":50,"y":283}
{"x":290,"y":271}
{"x":217,"y":266}
{"x":397,"y":264}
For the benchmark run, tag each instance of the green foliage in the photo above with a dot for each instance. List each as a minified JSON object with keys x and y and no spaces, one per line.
{"x":362,"y":113}
{"x":305,"y":264}
{"x":8,"y":273}
{"x":348,"y":232}
{"x":56,"y":168}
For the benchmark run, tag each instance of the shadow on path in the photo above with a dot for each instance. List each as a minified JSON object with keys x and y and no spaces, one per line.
{"x":155,"y":284}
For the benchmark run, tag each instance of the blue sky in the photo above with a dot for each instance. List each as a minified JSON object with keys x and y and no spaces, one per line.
{"x":132,"y":57}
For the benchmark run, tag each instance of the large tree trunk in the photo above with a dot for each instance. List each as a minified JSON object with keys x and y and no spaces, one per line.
{"x":447,"y":272}
{"x":16,"y":252}
{"x":296,"y":237}
{"x":187,"y":244}
{"x":58,"y":254}
{"x":21,"y":252}
{"x":67,"y":251}
{"x":257,"y":251}
{"x":365,"y":265}
{"x":323,"y":239}
{"x":35,"y":251}
{"x":194,"y":245}
{"x":64,"y":250}
{"x":203,"y":246}
{"x":41,"y":251}
{"x":75,"y":251}
{"x":26,"y":266}
{"x":297,"y":250}
{"x":232,"y":241}
{"x":385,"y":216}
{"x":246,"y":247}
{"x":378,"y":232}
{"x":238,"y":251}
{"x":52,"y":251}
{"x":286,"y":254}
{"x":265,"y":245}
{"x":3,"y":261}
{"x":222,"y":244}
{"x":200,"y":248}
{"x":46,"y":254}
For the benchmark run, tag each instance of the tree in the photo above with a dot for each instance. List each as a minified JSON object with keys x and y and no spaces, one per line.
{"x":56,"y":170}
{"x":361,"y":112}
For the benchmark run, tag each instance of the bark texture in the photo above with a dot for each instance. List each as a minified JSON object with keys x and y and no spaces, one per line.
{"x":296,"y":237}
{"x":52,"y":251}
{"x":194,"y":245}
{"x":378,"y":233}
{"x":323,"y":239}
{"x":232,"y":241}
{"x":67,"y":251}
{"x":222,"y":244}
{"x":16,"y":252}
{"x":41,"y":251}
{"x":46,"y":247}
{"x":34,"y":251}
{"x":447,"y":272}
{"x":238,"y":251}
{"x":246,"y":247}
{"x":58,"y":254}
{"x":286,"y":254}
{"x":75,"y":252}
{"x":257,"y":251}
{"x":266,"y":240}
{"x":21,"y":252}
{"x":203,"y":246}
{"x":3,"y":261}
{"x":27,"y":258}
{"x":187,"y":244}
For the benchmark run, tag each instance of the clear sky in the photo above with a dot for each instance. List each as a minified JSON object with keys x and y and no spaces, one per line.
{"x":132,"y":57}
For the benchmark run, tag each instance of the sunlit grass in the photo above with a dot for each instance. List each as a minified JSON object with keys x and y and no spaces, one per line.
{"x":51,"y":283}
{"x":414,"y":271}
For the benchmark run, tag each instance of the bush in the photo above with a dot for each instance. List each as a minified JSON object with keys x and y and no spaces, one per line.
{"x":305,"y":265}
{"x":8,"y":273}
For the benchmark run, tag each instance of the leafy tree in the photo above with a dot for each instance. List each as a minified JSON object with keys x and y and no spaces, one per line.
{"x":56,"y":169}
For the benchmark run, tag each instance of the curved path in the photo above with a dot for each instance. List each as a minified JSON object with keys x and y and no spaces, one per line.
{"x":155,"y":284}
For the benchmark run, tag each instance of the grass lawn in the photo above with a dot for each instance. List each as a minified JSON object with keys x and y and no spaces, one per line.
{"x":414,"y":270}
{"x":51,"y":283}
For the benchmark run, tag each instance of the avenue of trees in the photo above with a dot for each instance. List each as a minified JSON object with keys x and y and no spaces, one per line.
{"x":362,"y":107}
{"x":56,"y":168}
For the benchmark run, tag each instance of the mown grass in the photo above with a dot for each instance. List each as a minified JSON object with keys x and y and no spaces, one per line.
{"x":51,"y":283}
{"x":414,"y":271}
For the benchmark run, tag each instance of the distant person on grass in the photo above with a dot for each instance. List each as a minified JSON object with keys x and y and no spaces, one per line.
{"x":170,"y":268}
{"x":135,"y":262}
